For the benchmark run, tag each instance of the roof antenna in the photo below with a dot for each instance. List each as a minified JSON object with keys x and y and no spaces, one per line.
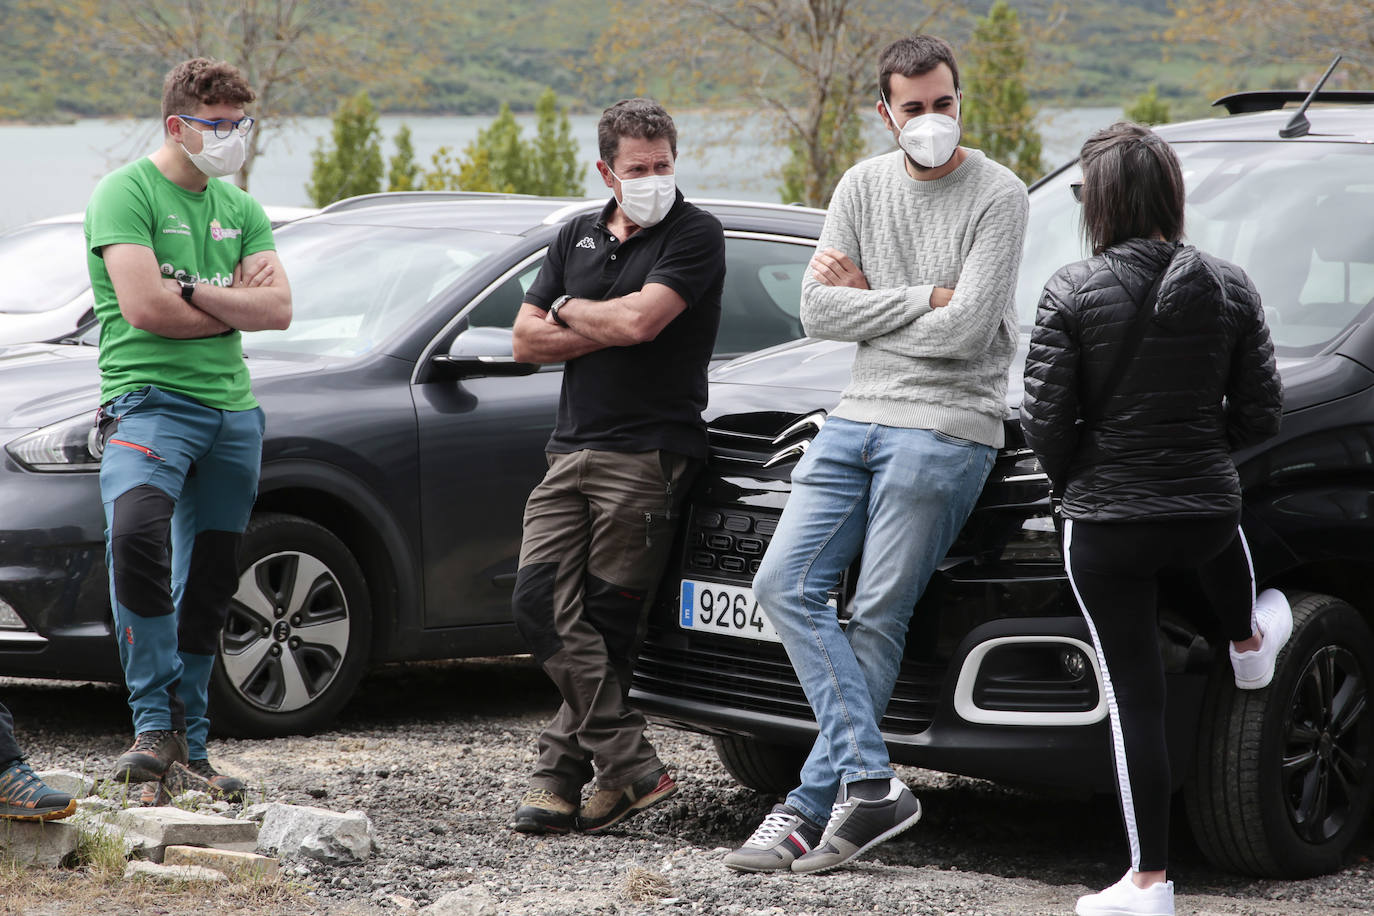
{"x":1298,"y":125}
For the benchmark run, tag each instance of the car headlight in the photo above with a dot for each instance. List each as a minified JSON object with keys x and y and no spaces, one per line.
{"x":70,"y":445}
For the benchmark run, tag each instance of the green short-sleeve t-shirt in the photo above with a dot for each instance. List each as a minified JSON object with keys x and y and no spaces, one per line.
{"x":197,"y":235}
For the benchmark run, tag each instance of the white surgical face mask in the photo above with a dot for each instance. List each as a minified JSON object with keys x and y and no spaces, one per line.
{"x":929,"y":139}
{"x":646,"y":200}
{"x":218,"y":156}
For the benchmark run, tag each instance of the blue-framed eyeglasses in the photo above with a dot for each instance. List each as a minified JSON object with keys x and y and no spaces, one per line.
{"x":224,"y":127}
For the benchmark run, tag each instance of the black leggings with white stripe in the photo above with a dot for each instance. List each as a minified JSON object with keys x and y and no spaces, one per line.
{"x":1114,"y":568}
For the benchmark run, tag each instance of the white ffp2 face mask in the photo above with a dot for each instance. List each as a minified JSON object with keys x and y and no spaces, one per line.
{"x":929,"y":139}
{"x":218,"y":156}
{"x":647,"y":200}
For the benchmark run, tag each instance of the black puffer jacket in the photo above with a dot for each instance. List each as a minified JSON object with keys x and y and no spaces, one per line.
{"x":1202,"y":384}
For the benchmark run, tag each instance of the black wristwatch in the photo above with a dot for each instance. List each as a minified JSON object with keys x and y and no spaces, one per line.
{"x":558,"y":304}
{"x":188,"y":288}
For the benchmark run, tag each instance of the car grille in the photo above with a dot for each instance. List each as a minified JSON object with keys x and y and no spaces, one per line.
{"x":766,"y":456}
{"x":726,"y":544}
{"x":756,"y":676}
{"x":729,"y":542}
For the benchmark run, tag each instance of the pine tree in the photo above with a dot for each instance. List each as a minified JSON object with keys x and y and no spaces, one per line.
{"x":498,"y":159}
{"x":998,"y":117}
{"x":404,"y":174}
{"x":554,"y":166}
{"x":354,"y":164}
{"x":442,"y":175}
{"x":1148,"y":108}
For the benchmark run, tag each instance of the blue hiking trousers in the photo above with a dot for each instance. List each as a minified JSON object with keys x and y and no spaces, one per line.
{"x":178,"y":480}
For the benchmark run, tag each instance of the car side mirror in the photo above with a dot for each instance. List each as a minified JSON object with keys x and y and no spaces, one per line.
{"x":481,"y":351}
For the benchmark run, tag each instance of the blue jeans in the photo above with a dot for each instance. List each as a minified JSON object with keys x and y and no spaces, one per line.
{"x":178,"y":480}
{"x":899,"y":496}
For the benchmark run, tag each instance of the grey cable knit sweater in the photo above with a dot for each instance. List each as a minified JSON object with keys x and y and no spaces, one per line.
{"x":946,"y":368}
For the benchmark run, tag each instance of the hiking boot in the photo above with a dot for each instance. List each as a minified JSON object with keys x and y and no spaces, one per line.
{"x":25,"y":797}
{"x":783,"y":836}
{"x":1125,"y":899}
{"x":150,"y":756}
{"x":541,"y":811}
{"x":611,"y":806}
{"x":229,"y":788}
{"x":1274,"y":621}
{"x":858,"y":824}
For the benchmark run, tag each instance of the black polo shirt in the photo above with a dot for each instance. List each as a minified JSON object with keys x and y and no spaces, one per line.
{"x":648,"y":396}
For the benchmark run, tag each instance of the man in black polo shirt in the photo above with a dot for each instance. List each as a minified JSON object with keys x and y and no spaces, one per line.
{"x":629,"y":299}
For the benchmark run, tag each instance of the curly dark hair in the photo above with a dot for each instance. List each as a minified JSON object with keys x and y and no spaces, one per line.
{"x":1132,"y":186}
{"x":643,"y":119}
{"x":201,"y":81}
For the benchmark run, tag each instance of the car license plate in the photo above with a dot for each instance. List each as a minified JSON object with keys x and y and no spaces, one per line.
{"x":727,"y":610}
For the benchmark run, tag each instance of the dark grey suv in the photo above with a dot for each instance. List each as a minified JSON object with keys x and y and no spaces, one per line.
{"x":402,"y":441}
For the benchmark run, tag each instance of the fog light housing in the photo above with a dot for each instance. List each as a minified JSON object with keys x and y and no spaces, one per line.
{"x":1074,"y":663}
{"x":9,"y":617}
{"x":1030,"y":680}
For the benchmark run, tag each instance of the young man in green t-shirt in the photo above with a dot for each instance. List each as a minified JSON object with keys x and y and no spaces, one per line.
{"x":180,"y":263}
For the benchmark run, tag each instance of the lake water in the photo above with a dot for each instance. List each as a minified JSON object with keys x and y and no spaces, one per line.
{"x":48,"y":170}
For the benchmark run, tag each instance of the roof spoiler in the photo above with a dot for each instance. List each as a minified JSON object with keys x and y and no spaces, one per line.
{"x":1274,"y":99}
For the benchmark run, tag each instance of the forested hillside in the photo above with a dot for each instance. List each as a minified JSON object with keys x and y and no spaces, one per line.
{"x":466,"y":56}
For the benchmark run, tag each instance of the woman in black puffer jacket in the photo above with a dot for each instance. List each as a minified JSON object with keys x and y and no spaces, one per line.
{"x":1149,"y":364}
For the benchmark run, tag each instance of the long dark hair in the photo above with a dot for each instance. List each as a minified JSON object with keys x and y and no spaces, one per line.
{"x":1132,"y":186}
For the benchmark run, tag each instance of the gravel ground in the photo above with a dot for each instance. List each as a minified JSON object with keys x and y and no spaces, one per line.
{"x":437,"y":755}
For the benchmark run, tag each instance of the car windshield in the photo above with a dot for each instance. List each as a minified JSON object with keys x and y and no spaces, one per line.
{"x":43,"y":266}
{"x":1295,"y":216}
{"x":354,"y":286}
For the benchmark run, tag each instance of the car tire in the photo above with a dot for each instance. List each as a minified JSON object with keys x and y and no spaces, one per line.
{"x":1284,"y":776}
{"x":296,"y":640}
{"x":758,"y":765}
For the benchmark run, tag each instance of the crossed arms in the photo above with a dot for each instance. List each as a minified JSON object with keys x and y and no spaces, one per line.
{"x":258,"y":299}
{"x":918,"y":320}
{"x":632,"y":319}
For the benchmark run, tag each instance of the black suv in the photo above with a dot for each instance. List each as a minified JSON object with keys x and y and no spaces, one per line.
{"x":1000,"y":679}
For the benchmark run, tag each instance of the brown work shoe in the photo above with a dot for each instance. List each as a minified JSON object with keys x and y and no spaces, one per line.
{"x":150,"y":757}
{"x":611,"y":806}
{"x":541,"y":811}
{"x":230,"y":788}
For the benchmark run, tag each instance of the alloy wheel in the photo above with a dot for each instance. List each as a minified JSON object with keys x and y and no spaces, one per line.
{"x":1326,"y":741}
{"x":287,"y":631}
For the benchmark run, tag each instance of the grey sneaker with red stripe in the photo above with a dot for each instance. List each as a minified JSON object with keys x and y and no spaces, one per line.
{"x":783,"y":836}
{"x":611,"y":806}
{"x":858,"y":824}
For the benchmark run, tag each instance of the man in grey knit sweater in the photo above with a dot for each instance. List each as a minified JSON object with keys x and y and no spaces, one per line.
{"x":917,"y":264}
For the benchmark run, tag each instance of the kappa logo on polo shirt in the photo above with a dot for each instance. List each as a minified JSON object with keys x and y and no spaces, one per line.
{"x":219,"y":233}
{"x":586,"y":242}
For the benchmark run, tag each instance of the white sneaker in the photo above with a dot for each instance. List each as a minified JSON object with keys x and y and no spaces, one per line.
{"x":1274,"y":620}
{"x":1125,"y":899}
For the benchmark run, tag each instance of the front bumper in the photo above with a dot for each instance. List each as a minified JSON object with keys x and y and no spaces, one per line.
{"x":52,"y":574}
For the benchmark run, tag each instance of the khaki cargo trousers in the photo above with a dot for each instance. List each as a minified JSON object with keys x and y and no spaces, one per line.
{"x":598,"y":530}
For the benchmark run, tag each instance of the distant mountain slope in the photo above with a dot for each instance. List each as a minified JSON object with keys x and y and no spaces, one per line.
{"x":1105,"y":52}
